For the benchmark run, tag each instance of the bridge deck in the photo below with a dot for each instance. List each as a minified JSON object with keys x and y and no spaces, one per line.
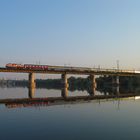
{"x":81,"y":71}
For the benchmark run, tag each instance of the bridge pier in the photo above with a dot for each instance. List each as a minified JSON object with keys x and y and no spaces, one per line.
{"x":93,"y":84}
{"x":65,"y":80}
{"x":31,"y":92}
{"x":64,"y":92}
{"x":92,"y":91}
{"x":32,"y":80}
{"x":93,"y":81}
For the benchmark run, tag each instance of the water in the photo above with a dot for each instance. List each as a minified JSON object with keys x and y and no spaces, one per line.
{"x":85,"y":120}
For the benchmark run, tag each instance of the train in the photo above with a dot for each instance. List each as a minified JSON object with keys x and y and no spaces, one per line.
{"x":43,"y":67}
{"x":63,"y":68}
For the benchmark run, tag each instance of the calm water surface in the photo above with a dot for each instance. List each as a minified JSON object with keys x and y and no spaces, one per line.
{"x":84,"y":120}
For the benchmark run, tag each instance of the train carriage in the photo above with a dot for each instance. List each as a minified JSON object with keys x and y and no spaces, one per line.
{"x":35,"y":67}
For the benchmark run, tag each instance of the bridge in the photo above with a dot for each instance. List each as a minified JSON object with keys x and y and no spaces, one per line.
{"x":64,"y":71}
{"x":76,"y":70}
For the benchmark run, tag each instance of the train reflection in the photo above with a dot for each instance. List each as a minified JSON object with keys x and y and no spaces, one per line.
{"x":51,"y":101}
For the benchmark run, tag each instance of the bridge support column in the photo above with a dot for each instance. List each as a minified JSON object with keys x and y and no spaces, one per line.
{"x":64,"y":92}
{"x":32,"y":80}
{"x":31,"y":92}
{"x":93,"y":84}
{"x":93,"y":81}
{"x":65,"y":80}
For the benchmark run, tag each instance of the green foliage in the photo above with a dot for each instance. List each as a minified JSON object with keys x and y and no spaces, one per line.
{"x":104,"y":83}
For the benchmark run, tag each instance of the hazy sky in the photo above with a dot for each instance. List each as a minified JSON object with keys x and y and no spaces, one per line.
{"x":70,"y":32}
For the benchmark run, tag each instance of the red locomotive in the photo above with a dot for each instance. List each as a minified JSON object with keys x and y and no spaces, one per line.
{"x":14,"y":65}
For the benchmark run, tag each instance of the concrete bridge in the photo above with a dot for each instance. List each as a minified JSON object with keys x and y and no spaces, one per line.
{"x":64,"y":71}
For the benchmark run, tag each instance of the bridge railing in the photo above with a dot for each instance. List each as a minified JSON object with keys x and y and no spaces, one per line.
{"x":114,"y":70}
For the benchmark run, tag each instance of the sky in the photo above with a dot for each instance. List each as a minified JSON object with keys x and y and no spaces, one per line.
{"x":70,"y":32}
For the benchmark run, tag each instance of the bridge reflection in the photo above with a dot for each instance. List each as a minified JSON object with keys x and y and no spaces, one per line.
{"x":64,"y":92}
{"x":31,"y":101}
{"x":51,"y":101}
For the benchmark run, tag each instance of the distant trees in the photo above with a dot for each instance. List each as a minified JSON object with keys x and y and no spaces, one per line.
{"x":104,"y":83}
{"x":124,"y":81}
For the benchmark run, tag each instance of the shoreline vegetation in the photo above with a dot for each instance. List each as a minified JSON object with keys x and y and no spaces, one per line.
{"x":104,"y":84}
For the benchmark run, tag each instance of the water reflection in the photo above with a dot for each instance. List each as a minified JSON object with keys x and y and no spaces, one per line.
{"x":65,"y":96}
{"x":33,"y":101}
{"x":116,"y":90}
{"x":31,"y":92}
{"x":64,"y":92}
{"x":92,"y":91}
{"x":41,"y":112}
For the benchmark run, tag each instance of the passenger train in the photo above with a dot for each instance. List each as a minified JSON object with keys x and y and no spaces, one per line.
{"x":47,"y":67}
{"x":42,"y":67}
